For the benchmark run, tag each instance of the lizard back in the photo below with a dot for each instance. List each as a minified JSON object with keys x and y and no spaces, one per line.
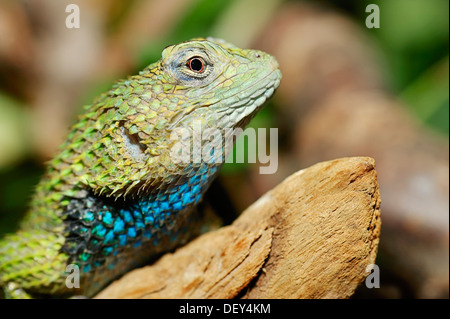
{"x":116,"y":194}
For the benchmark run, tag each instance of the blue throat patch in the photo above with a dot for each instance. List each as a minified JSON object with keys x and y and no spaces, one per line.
{"x":102,"y":231}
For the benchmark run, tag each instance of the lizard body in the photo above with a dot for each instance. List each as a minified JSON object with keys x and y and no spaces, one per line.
{"x":113,"y":197}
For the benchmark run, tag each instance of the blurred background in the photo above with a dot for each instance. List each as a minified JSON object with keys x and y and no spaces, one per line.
{"x":347,"y":90}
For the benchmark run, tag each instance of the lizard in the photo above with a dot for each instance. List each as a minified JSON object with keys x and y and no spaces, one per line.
{"x":114,"y":197}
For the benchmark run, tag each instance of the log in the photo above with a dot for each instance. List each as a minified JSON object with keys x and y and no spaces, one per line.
{"x":312,"y":236}
{"x":334,"y":86}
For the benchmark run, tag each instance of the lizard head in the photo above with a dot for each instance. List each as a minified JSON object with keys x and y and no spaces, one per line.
{"x":123,"y":141}
{"x":198,"y":85}
{"x":224,"y":85}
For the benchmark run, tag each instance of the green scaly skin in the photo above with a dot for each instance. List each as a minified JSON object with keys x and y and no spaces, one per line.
{"x":120,"y":148}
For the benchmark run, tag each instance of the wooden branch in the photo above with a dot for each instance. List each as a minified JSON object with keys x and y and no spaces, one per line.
{"x":312,"y":236}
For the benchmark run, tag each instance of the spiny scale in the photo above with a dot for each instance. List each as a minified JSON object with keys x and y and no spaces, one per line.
{"x":114,"y":198}
{"x":101,"y":232}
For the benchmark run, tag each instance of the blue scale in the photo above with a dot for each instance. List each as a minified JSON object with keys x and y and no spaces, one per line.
{"x":136,"y":224}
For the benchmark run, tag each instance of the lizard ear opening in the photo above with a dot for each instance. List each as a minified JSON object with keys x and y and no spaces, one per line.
{"x":132,"y":144}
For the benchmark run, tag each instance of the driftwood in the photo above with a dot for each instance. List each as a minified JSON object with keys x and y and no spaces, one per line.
{"x":312,"y":236}
{"x":334,"y":86}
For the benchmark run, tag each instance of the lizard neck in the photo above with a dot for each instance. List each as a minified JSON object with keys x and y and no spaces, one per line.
{"x":103,"y":232}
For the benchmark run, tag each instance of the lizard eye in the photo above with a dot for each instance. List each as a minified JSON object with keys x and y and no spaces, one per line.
{"x":196,"y":64}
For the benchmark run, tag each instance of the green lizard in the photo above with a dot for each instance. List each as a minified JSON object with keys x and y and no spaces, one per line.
{"x":114,"y":197}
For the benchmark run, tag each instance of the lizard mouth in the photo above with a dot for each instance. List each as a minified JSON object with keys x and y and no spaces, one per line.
{"x":267,"y":85}
{"x":239,"y":107}
{"x":247,"y":103}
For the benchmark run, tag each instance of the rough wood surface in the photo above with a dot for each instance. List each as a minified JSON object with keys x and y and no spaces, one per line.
{"x":312,"y":236}
{"x":335,"y":83}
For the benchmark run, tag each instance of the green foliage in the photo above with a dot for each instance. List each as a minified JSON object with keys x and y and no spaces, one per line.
{"x":414,"y":36}
{"x":198,"y":21}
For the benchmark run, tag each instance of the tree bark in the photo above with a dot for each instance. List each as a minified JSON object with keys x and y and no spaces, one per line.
{"x":312,"y":236}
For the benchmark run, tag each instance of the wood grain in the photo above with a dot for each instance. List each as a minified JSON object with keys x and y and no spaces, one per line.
{"x":312,"y":236}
